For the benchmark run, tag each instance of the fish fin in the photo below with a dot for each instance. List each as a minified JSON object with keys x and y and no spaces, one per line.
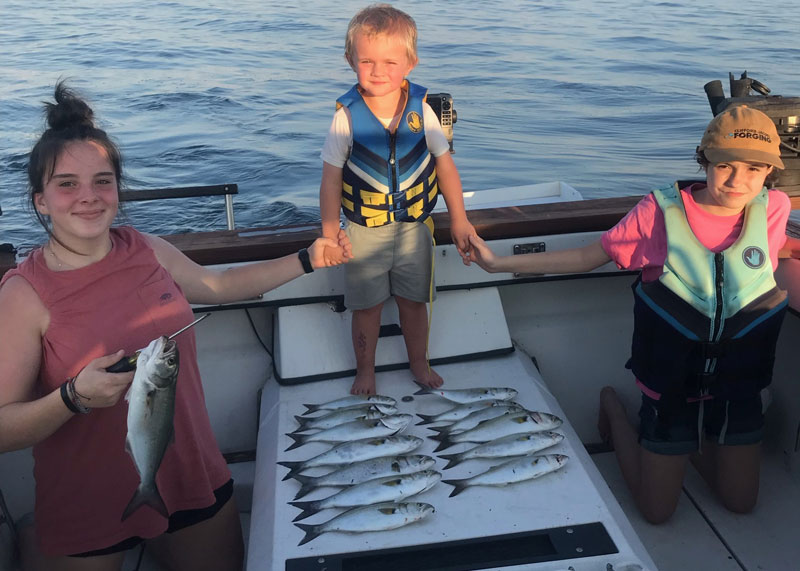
{"x":423,"y":391}
{"x":439,"y":436}
{"x":299,"y":440}
{"x":452,"y":460}
{"x":458,"y":486}
{"x":304,"y":490}
{"x":443,"y":443}
{"x":293,"y":468}
{"x":426,"y":419}
{"x":301,"y":421}
{"x":311,"y":531}
{"x":307,"y":484}
{"x":145,"y":496}
{"x":307,"y":507}
{"x":311,"y":408}
{"x":439,"y":429}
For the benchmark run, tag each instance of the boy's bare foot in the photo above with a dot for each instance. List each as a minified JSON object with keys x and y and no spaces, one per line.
{"x":611,"y":408}
{"x":426,"y":376}
{"x":363,"y":385}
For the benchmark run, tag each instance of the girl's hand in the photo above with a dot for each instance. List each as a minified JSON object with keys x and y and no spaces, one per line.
{"x":481,"y":254}
{"x":326,"y":252}
{"x":97,"y":387}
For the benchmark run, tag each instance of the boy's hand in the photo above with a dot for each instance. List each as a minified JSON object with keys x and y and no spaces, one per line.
{"x":482,"y":254}
{"x":460,"y":233}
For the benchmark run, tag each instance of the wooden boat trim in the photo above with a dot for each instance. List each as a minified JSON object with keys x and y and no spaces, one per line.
{"x":243,"y":245}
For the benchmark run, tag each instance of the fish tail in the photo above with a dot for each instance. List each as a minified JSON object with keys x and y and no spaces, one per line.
{"x":302,"y":421}
{"x":299,"y":440}
{"x":452,"y":460}
{"x":311,"y":408}
{"x":308,"y":508}
{"x":426,"y":418}
{"x":145,"y":495}
{"x":458,"y":486}
{"x":294,"y":467}
{"x":311,"y":531}
{"x":423,"y":389}
{"x":444,"y":442}
{"x":307,"y":485}
{"x":439,"y":429}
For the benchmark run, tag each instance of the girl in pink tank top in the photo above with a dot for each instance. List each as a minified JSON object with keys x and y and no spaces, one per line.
{"x":72,"y":309}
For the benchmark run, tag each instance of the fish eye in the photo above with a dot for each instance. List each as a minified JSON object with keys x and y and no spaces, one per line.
{"x":171,"y":361}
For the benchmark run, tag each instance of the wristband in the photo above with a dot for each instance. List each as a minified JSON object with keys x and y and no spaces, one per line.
{"x":305,"y":261}
{"x":68,"y":401}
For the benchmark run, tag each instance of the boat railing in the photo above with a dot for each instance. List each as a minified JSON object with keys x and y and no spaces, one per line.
{"x":226,"y":190}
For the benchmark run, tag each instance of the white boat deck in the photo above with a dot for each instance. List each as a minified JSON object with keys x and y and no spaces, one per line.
{"x":570,"y":497}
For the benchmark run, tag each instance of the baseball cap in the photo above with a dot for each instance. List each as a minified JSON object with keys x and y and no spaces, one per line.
{"x":742,"y":134}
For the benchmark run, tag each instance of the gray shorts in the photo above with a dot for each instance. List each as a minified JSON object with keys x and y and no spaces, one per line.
{"x":394,"y":259}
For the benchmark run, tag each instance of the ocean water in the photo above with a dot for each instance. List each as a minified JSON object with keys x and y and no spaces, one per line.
{"x":606,"y":95}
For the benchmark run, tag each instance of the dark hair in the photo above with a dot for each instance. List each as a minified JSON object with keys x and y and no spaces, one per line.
{"x":69,"y":119}
{"x":769,"y":182}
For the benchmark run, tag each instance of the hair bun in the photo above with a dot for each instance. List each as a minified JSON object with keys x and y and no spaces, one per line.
{"x":69,"y":110}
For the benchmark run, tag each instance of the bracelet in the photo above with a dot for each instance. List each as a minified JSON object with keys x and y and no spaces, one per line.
{"x":67,"y":401}
{"x":72,"y":398}
{"x":305,"y":260}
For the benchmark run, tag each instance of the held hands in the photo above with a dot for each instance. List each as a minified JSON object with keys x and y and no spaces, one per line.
{"x":481,"y":254}
{"x":461,"y":232}
{"x":97,"y":387}
{"x":326,"y":252}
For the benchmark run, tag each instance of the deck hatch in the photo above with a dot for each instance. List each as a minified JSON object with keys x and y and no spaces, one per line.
{"x":553,"y":544}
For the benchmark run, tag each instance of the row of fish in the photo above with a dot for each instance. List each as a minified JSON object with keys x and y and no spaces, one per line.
{"x":370,"y":458}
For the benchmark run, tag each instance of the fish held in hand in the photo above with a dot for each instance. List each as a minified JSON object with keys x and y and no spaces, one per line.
{"x":377,"y":517}
{"x":464,"y":396}
{"x":151,"y":408}
{"x":365,"y":470}
{"x":511,"y":472}
{"x":511,"y":445}
{"x":388,"y":489}
{"x":356,"y":451}
{"x":354,"y":430}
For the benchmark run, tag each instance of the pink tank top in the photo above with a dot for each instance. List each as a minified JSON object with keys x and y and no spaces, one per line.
{"x":84,"y":476}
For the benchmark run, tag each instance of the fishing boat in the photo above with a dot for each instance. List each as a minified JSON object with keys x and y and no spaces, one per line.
{"x":555,"y":339}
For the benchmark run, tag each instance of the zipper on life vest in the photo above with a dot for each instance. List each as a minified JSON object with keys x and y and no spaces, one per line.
{"x":719,"y":278}
{"x":392,"y":161}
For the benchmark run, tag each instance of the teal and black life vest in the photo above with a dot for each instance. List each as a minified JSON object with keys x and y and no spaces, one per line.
{"x":388,"y":176}
{"x":710,"y":323}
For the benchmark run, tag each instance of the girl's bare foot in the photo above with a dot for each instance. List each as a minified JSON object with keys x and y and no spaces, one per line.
{"x":611,"y":410}
{"x":364,"y":384}
{"x":426,"y":376}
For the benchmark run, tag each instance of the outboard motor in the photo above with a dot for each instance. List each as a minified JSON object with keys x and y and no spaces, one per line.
{"x":784,"y":112}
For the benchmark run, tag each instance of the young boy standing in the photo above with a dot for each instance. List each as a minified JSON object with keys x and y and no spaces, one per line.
{"x":385,"y":159}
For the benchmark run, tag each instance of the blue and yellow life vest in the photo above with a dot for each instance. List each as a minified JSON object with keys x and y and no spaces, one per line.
{"x":710,"y":323}
{"x":388,"y":176}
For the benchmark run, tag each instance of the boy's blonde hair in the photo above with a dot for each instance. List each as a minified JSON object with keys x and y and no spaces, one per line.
{"x":378,"y":19}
